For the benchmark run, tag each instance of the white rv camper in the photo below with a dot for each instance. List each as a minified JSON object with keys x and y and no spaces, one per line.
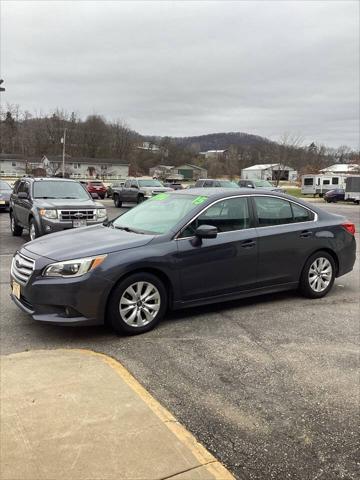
{"x":319,"y":184}
{"x":352,"y":190}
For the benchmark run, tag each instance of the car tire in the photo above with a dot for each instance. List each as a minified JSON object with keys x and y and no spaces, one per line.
{"x":140,"y":199}
{"x":33,"y":230}
{"x":117,"y":201}
{"x":126,"y":315}
{"x":16,"y":230}
{"x":318,"y":275}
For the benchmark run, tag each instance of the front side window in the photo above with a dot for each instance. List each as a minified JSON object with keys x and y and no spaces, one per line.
{"x":262,"y":184}
{"x":127,"y":184}
{"x":226,"y":216}
{"x":208,"y":183}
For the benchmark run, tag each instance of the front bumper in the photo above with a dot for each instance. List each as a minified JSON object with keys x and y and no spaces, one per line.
{"x":63,"y":301}
{"x":51,"y":226}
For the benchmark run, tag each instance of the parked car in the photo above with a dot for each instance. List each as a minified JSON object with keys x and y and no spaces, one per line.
{"x":352,"y":190}
{"x":334,"y":195}
{"x":211,"y":182}
{"x":5,"y":192}
{"x":47,"y":205}
{"x":136,"y":190}
{"x":261,"y":184}
{"x":95,"y":186}
{"x":173,"y":185}
{"x":110,"y":188}
{"x":181,"y":249}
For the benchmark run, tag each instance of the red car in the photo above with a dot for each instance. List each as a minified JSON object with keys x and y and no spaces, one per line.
{"x":95,"y":186}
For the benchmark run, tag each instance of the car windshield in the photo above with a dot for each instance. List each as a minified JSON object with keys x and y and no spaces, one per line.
{"x":5,"y":186}
{"x":159,"y":214}
{"x":228,"y":184}
{"x":262,"y":183}
{"x":59,"y":189}
{"x":150,"y":183}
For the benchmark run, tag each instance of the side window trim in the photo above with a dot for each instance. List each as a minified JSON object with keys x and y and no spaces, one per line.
{"x":256,"y":219}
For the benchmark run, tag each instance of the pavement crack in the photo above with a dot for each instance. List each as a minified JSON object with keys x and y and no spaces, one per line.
{"x":189,"y":470}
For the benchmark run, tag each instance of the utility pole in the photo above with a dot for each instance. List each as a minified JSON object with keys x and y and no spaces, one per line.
{"x":63,"y":140}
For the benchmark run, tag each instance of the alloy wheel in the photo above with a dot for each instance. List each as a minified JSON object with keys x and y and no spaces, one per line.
{"x":139,"y":304}
{"x":320,"y":274}
{"x":32,"y":232}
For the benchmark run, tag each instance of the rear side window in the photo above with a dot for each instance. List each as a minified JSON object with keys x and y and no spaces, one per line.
{"x":273,"y":211}
{"x":301,"y":214}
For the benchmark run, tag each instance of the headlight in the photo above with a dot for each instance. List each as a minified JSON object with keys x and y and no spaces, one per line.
{"x":73,"y":268}
{"x":48,"y":213}
{"x":148,"y":193}
{"x":101,"y":212}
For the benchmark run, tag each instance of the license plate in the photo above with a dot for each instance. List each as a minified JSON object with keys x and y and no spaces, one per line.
{"x":16,"y":290}
{"x":2,"y":202}
{"x":79,"y":223}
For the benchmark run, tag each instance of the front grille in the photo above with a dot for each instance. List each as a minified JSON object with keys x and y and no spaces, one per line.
{"x":22,"y":268}
{"x":77,"y":214}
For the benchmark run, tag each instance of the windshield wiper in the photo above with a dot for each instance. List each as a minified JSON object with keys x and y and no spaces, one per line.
{"x":48,"y":197}
{"x":126,"y":229}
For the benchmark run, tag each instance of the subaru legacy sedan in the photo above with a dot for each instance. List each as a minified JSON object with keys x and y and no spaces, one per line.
{"x":180,"y":249}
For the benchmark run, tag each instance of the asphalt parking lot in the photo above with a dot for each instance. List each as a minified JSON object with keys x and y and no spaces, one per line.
{"x":269,"y":385}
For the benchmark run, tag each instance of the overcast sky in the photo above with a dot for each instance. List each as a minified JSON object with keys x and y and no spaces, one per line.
{"x":189,"y":68}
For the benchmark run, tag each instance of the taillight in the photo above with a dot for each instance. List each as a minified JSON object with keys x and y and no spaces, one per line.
{"x":350,"y":227}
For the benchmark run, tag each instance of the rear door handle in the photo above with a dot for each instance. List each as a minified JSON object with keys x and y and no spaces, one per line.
{"x":306,"y":234}
{"x":248,"y":243}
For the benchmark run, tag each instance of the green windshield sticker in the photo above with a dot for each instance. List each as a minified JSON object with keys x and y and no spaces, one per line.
{"x":199,"y":200}
{"x":160,"y":196}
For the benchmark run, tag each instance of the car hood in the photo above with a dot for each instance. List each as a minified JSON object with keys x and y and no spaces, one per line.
{"x":67,"y":203}
{"x":85,"y":242}
{"x":4,"y":195}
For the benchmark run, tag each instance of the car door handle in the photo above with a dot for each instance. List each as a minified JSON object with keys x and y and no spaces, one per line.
{"x":306,"y":234}
{"x":248,"y":243}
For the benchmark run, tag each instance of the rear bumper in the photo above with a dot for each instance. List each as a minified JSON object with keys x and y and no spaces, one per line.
{"x":347,"y":256}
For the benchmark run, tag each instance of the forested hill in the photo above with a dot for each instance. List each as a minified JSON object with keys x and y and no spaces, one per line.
{"x":217,"y":141}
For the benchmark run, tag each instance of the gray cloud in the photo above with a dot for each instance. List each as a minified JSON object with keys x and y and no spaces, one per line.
{"x":187,"y":68}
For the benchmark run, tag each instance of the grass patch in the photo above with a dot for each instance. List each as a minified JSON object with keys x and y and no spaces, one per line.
{"x":294,"y":191}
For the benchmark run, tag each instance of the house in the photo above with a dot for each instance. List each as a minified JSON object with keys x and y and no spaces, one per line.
{"x":75,"y":167}
{"x":190,"y":172}
{"x":160,"y":171}
{"x":149,"y":146}
{"x":269,"y":171}
{"x":341,"y":168}
{"x":214,"y":154}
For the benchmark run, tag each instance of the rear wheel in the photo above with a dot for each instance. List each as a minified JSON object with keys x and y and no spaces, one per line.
{"x":140,"y":198}
{"x":137,"y":304}
{"x":117,"y":201}
{"x":318,"y":275}
{"x":16,"y":230}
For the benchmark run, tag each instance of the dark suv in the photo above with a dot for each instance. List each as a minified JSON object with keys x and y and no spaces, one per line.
{"x":213,"y":182}
{"x":47,"y":205}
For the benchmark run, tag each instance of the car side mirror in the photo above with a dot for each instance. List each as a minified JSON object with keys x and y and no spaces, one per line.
{"x":23,"y":195}
{"x":204,"y":231}
{"x":94,"y":195}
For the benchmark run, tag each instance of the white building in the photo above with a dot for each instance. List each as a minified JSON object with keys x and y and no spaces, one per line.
{"x":214,"y":154}
{"x":338,"y":168}
{"x":82,"y":168}
{"x":269,"y":171}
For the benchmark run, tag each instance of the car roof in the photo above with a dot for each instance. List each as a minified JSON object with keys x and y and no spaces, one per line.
{"x":51,"y":179}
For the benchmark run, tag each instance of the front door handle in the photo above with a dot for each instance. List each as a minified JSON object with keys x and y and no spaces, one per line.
{"x":248,"y":243}
{"x":306,"y":234}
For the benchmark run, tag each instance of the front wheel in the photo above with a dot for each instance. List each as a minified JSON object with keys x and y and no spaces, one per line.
{"x":318,"y":275}
{"x":117,"y":201}
{"x":137,"y":304}
{"x":33,"y":230}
